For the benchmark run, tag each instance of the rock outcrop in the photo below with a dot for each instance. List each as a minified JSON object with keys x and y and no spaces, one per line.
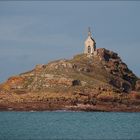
{"x":137,"y":85}
{"x":102,"y":79}
{"x":123,"y":78}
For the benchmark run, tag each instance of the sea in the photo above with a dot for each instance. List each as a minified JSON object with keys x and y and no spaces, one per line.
{"x":67,"y":125}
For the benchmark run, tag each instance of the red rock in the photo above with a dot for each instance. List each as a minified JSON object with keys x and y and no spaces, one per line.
{"x":137,"y":86}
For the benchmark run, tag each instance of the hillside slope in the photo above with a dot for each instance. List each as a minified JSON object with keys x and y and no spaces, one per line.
{"x":99,"y":82}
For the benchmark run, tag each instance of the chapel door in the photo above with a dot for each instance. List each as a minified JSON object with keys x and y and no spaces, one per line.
{"x":89,"y":49}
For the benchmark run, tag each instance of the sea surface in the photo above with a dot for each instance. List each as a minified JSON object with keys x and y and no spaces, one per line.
{"x":69,"y":125}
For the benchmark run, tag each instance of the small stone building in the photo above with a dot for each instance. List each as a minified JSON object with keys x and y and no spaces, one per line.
{"x":90,"y":44}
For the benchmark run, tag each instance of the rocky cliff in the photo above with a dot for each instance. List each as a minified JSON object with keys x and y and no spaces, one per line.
{"x":99,"y":82}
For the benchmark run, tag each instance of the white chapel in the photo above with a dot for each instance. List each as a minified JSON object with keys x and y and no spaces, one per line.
{"x":90,"y":44}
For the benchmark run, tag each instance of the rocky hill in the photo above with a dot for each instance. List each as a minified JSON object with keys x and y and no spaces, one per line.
{"x":100,"y":82}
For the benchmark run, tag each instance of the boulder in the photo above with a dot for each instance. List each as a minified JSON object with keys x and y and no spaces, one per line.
{"x":76,"y":83}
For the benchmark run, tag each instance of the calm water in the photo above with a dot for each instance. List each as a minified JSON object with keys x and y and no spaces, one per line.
{"x":69,"y":125}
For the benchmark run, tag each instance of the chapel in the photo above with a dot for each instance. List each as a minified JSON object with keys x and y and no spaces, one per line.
{"x":90,"y":44}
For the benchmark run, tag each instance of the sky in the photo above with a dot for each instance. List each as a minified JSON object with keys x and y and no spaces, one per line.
{"x":37,"y":32}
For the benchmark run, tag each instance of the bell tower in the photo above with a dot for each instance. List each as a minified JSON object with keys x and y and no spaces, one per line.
{"x":90,"y":44}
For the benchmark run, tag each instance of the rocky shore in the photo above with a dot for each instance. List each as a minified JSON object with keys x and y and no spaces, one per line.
{"x":44,"y":106}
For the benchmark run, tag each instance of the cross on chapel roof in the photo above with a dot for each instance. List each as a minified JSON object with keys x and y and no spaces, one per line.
{"x":89,"y":32}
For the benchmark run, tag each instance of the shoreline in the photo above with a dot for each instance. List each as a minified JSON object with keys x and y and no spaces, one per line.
{"x":34,"y":107}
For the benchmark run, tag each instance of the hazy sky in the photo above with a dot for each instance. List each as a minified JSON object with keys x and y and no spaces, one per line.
{"x":36,"y":32}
